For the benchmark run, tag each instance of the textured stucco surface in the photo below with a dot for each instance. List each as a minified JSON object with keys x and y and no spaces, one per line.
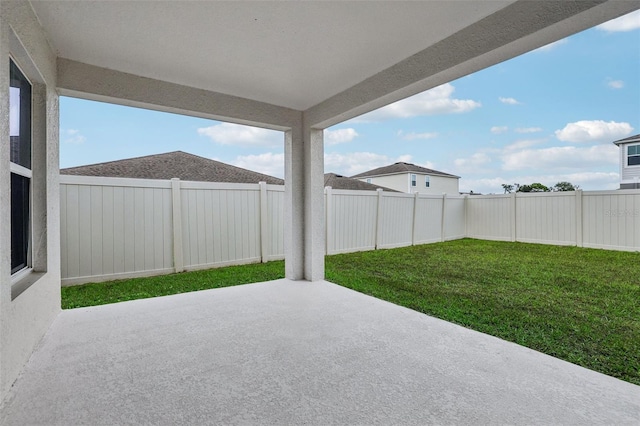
{"x":24,"y":319}
{"x":287,"y":352}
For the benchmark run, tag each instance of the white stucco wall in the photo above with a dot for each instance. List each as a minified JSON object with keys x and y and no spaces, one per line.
{"x":438,"y":185}
{"x":26,"y":317}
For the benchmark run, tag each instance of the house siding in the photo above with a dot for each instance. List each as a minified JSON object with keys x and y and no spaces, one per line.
{"x":398,"y":182}
{"x":402,"y":182}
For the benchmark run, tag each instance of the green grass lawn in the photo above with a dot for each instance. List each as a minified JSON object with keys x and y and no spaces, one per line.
{"x":140,"y":288}
{"x":580,"y":305}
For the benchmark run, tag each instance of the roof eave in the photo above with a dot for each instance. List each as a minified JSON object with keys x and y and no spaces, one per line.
{"x":405,"y":172}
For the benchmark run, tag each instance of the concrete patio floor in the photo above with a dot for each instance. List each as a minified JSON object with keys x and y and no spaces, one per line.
{"x":286,"y":352}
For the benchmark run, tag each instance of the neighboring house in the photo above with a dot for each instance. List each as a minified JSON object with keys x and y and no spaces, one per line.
{"x":409,"y":178}
{"x":336,"y":181}
{"x":176,"y":164}
{"x":629,"y":162}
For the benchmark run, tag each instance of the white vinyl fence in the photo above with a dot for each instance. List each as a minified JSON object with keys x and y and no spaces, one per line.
{"x":598,"y":219}
{"x":368,"y":220}
{"x":117,"y":228}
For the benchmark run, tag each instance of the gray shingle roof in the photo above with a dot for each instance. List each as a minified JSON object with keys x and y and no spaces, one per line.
{"x":402,"y":168}
{"x":633,"y":138}
{"x":176,"y":164}
{"x":342,"y":182}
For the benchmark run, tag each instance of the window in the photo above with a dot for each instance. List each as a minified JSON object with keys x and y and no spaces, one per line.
{"x":426,"y":181}
{"x":368,"y":180}
{"x":414,"y":180}
{"x":633,"y":155}
{"x":20,"y":168}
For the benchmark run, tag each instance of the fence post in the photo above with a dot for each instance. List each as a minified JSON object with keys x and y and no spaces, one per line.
{"x":264,"y":222}
{"x":513,"y":216}
{"x":443,"y":216}
{"x":176,"y":205}
{"x":379,"y":219}
{"x":579,"y":242}
{"x":466,"y":216}
{"x":415,"y":218}
{"x":328,"y":220}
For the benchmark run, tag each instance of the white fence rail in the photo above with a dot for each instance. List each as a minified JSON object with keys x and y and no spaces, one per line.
{"x":117,"y":228}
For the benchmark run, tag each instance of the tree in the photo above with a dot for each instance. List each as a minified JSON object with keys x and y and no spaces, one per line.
{"x":565,"y":186}
{"x":507,"y":188}
{"x":534,"y":187}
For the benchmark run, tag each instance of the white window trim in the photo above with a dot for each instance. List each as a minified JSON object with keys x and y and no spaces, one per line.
{"x":20,"y":170}
{"x":625,"y":156}
{"x":22,"y":279}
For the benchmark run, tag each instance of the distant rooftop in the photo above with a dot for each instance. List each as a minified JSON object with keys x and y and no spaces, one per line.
{"x":633,"y":138}
{"x":402,"y":168}
{"x":336,"y":181}
{"x":176,"y":164}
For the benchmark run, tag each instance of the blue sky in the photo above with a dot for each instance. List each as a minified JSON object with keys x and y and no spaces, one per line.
{"x":546,"y":116}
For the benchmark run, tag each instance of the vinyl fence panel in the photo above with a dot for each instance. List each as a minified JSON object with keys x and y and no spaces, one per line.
{"x":114,"y":228}
{"x":351,"y":221}
{"x":396,"y":221}
{"x":546,"y":218}
{"x":428,"y":220}
{"x":489,"y":217}
{"x":275,"y":223}
{"x":455,"y":218}
{"x":611,"y":220}
{"x":220,"y":224}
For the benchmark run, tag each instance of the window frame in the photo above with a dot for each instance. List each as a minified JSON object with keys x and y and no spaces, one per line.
{"x":627,"y":156}
{"x":413,"y":180}
{"x":427,"y":182}
{"x":22,"y":270}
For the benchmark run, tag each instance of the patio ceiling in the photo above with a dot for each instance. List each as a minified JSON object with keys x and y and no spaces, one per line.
{"x":333,"y":59}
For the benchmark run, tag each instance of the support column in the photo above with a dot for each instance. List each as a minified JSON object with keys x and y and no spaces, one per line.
{"x":304,"y":204}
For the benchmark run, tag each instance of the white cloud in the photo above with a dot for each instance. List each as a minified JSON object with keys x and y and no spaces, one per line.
{"x":552,"y":46}
{"x":528,"y":129}
{"x":435,"y":101}
{"x":561,"y":158}
{"x":593,"y":131}
{"x":522,"y":144}
{"x":72,"y":136}
{"x":245,"y":136}
{"x":476,"y":160}
{"x":509,"y":101}
{"x":413,"y":136}
{"x":628,"y":22}
{"x":338,"y":136}
{"x":615,"y":84}
{"x":499,"y":129}
{"x":268,"y":163}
